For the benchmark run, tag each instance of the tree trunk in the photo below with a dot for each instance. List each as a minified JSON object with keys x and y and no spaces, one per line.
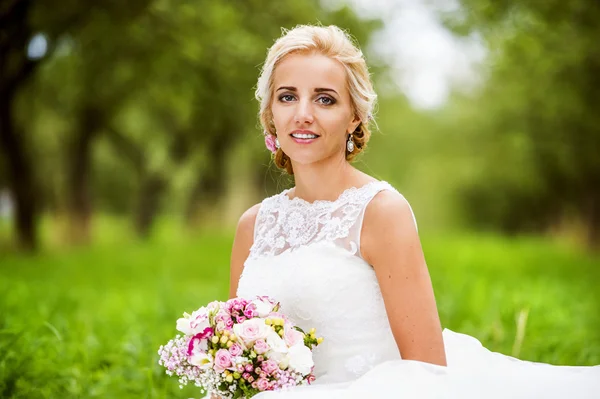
{"x":20,"y":177}
{"x":15,"y":70}
{"x":210,"y":185}
{"x":79,"y":164}
{"x":151,"y":190}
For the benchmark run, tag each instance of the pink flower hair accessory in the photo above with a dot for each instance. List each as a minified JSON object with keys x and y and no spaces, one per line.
{"x":271,"y":142}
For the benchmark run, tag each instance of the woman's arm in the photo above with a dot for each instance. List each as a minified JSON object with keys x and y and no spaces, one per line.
{"x":390,"y":243}
{"x":244,"y":237}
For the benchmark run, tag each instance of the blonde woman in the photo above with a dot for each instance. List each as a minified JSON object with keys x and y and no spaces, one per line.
{"x":341,"y":251}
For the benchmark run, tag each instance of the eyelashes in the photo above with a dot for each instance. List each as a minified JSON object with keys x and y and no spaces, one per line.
{"x":328,"y":100}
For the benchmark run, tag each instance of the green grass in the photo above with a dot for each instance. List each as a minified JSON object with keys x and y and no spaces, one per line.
{"x":87,"y":323}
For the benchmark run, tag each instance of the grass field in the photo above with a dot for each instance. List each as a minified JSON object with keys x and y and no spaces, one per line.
{"x":87,"y":323}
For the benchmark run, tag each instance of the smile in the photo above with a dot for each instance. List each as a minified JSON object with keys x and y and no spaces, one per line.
{"x":304,"y":136}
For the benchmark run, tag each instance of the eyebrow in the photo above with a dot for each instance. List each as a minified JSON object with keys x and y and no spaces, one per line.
{"x":317,"y":90}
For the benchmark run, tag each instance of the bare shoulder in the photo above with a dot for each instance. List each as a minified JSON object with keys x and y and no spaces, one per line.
{"x":246,"y":223}
{"x":244,"y":234}
{"x":388,"y":220}
{"x":244,"y":238}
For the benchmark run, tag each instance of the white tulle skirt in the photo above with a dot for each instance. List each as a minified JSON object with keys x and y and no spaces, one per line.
{"x":473,"y":372}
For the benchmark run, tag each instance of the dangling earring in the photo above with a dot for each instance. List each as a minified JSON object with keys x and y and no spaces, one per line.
{"x":350,"y":143}
{"x":277,"y":143}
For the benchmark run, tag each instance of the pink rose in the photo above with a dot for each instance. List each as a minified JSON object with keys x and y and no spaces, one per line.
{"x":292,"y":337}
{"x":262,"y":384}
{"x":251,"y":330}
{"x":222,"y":360}
{"x":235,"y":350}
{"x":270,"y":366}
{"x":260,"y":346}
{"x":310,"y":379}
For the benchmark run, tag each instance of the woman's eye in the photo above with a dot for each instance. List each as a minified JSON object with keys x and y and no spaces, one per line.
{"x":286,"y":98}
{"x":326,"y":100}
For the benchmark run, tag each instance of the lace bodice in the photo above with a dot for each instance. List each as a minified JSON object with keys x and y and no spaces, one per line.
{"x":285,"y":224}
{"x":307,"y":256}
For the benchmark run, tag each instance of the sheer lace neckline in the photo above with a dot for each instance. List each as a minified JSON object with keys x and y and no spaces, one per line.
{"x":284,"y":224}
{"x":350,"y":191}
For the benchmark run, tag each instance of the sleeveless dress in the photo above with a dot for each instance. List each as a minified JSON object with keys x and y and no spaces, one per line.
{"x":307,"y":257}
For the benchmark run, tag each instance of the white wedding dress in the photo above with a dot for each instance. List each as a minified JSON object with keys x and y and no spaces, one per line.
{"x":307,"y":257}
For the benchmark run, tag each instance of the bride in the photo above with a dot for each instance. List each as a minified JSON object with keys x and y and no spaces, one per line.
{"x":340,"y":251}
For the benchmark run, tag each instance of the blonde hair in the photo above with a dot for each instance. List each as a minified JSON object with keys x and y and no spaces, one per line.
{"x":332,"y":42}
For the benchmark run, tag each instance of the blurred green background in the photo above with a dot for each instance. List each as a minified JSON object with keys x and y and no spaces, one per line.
{"x":130,"y":146}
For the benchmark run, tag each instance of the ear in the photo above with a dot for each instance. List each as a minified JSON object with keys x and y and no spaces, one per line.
{"x":353,"y":124}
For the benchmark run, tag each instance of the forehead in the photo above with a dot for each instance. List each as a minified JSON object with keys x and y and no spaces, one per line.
{"x":310,"y":71}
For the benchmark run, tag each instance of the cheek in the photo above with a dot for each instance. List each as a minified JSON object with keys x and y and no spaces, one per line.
{"x":280,"y":114}
{"x":336,"y":124}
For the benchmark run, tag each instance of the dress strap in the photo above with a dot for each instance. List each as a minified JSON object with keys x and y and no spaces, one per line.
{"x":355,"y":232}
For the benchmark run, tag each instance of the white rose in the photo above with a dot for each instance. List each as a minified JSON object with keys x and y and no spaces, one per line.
{"x":251,"y":330}
{"x":275,"y":342}
{"x":301,"y":359}
{"x":263,"y":308}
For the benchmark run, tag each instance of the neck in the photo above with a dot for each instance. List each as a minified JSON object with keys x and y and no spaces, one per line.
{"x":324,"y":180}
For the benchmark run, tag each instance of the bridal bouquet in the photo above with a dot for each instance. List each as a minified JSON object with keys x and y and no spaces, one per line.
{"x":238,"y":348}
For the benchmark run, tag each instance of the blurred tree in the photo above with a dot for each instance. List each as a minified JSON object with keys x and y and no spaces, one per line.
{"x":539,"y":110}
{"x":168,"y":86}
{"x":21,"y":21}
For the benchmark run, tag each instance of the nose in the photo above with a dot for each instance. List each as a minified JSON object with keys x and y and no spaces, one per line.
{"x":304,"y":112}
